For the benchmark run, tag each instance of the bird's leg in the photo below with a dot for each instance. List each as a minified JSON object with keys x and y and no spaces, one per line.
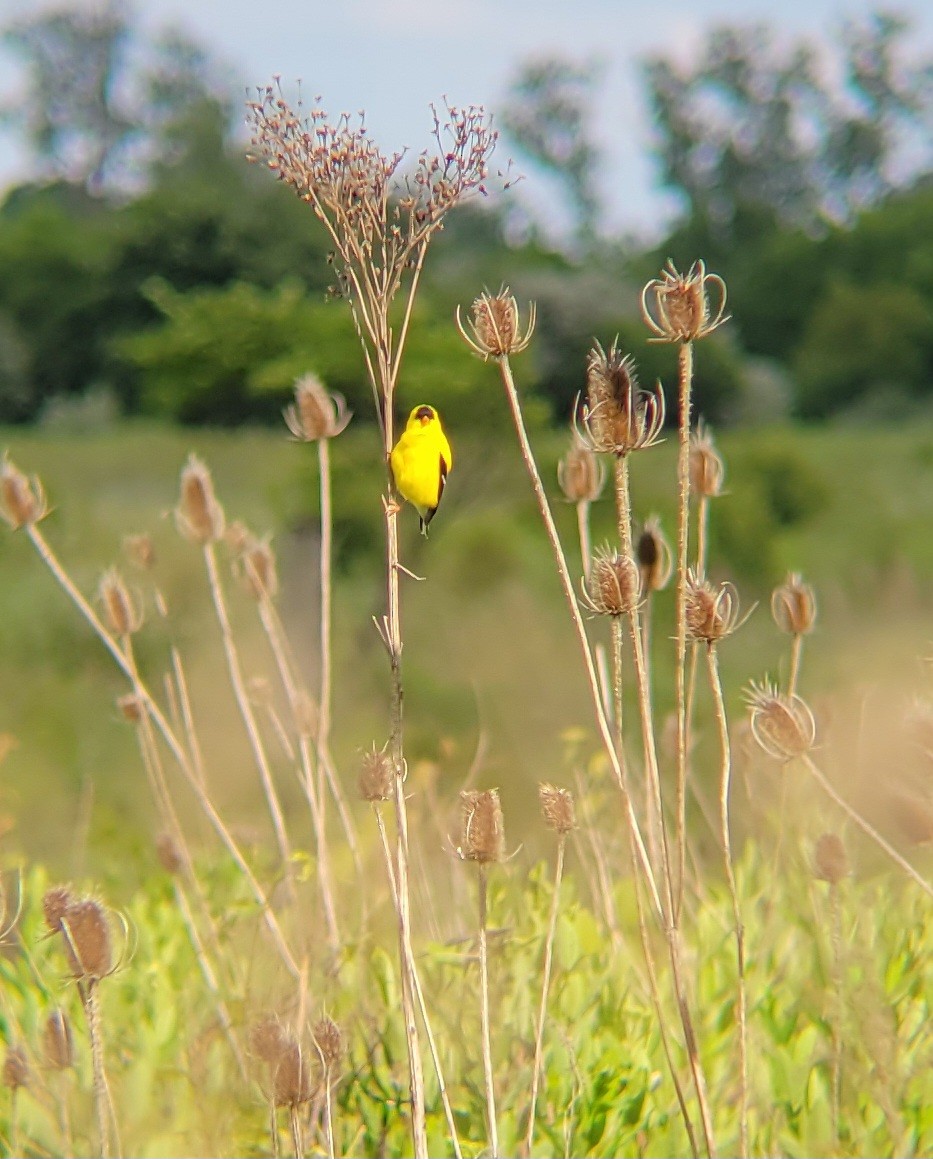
{"x":390,"y":505}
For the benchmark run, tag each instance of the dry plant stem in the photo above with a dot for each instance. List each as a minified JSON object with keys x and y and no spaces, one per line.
{"x":725,"y":779}
{"x":329,"y":1113}
{"x":835,"y":908}
{"x":419,"y":993}
{"x":246,"y":711}
{"x":324,"y":696}
{"x":583,"y":527}
{"x":181,"y":684}
{"x":484,"y":1011}
{"x":64,"y":1121}
{"x":14,"y":1122}
{"x":91,"y":999}
{"x":602,"y":722}
{"x":623,"y":505}
{"x":545,"y":986}
{"x":685,"y":376}
{"x":274,"y":1129}
{"x":294,"y":1120}
{"x":165,"y":730}
{"x":795,"y":650}
{"x":867,"y":829}
{"x":603,"y":889}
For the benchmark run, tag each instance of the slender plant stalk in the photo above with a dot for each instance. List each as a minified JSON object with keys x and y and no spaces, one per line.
{"x":583,"y":529}
{"x":91,"y":997}
{"x":725,"y":837}
{"x":178,"y":751}
{"x":274,"y":1129}
{"x":685,"y":376}
{"x":867,"y":829}
{"x":64,"y":1116}
{"x":796,"y":649}
{"x":484,"y":1014}
{"x":839,"y":1000}
{"x":14,"y":1121}
{"x":294,"y":1120}
{"x":329,"y":1112}
{"x":545,"y":987}
{"x":246,"y":712}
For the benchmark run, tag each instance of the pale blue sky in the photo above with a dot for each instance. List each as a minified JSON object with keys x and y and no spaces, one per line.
{"x":393,"y":57}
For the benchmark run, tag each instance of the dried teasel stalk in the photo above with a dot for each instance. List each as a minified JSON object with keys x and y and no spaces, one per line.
{"x":482,"y":827}
{"x":199,"y":517}
{"x":676,"y":307}
{"x":495,"y":329}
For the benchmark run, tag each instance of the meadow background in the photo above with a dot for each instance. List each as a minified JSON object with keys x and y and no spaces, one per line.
{"x":160,"y":295}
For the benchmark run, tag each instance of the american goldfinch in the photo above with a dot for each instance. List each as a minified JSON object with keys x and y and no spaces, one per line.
{"x":420,"y":461}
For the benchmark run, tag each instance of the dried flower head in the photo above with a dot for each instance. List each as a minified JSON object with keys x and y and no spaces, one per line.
{"x":315,"y":414}
{"x":329,"y":1041}
{"x":711,"y":612}
{"x":495,"y":329}
{"x":291,"y":1074}
{"x":267,"y":1037}
{"x":55,"y":904}
{"x":830,"y":860}
{"x":58,"y":1041}
{"x":15,"y":1068}
{"x":557,"y":808}
{"x":131,"y":707}
{"x":22,"y":500}
{"x":793,"y":606}
{"x":614,"y":584}
{"x":482,"y":826}
{"x":257,"y":569}
{"x":654,"y":555}
{"x":580,"y":473}
{"x":140,"y":551}
{"x":87,"y":938}
{"x":124,"y":615}
{"x":198,"y":516}
{"x":681,"y":308}
{"x":782,"y":725}
{"x":707,"y":470}
{"x":169,"y":854}
{"x":376,"y":779}
{"x":618,"y":416}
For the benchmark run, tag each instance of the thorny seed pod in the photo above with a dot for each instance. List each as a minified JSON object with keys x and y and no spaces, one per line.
{"x":711,"y":613}
{"x":830,"y":860}
{"x":654,"y":555}
{"x":614,"y":586}
{"x":131,"y":707}
{"x":707,"y":470}
{"x":793,"y":606}
{"x":140,"y":551}
{"x":169,"y":855}
{"x":291,"y":1079}
{"x":782,"y":725}
{"x":557,"y":808}
{"x":315,"y":414}
{"x":55,"y":904}
{"x":329,"y":1041}
{"x":124,"y":617}
{"x":58,"y":1041}
{"x":15,"y":1068}
{"x":579,"y":473}
{"x":619,"y":416}
{"x":495,"y":330}
{"x":88,"y":941}
{"x":198,"y":516}
{"x":258,"y":569}
{"x":376,"y":779}
{"x":681,"y":308}
{"x":267,"y":1038}
{"x":482,"y":836}
{"x":22,"y":500}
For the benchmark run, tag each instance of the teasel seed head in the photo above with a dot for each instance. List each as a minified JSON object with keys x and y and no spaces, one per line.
{"x":676,"y":307}
{"x":169,"y":854}
{"x":830,"y":860}
{"x":22,"y":500}
{"x":89,"y":944}
{"x":557,"y":808}
{"x":711,"y":612}
{"x":329,"y":1041}
{"x":619,"y":417}
{"x":707,"y":470}
{"x":15,"y":1068}
{"x":267,"y":1038}
{"x":654,"y":555}
{"x":316,"y":414}
{"x":614,"y":585}
{"x":58,"y":1041}
{"x":580,"y":474}
{"x":793,"y":606}
{"x":55,"y":904}
{"x":258,"y":569}
{"x":376,"y":779}
{"x":495,"y":329}
{"x":482,"y":826}
{"x":124,"y":615}
{"x":131,"y":707}
{"x":782,"y":725}
{"x":198,"y":516}
{"x":291,"y":1077}
{"x":139,"y":550}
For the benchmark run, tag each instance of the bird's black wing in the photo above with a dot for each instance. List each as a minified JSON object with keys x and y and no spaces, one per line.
{"x":442,"y":481}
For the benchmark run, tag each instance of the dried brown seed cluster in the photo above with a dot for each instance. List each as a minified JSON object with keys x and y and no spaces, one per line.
{"x":614,"y":585}
{"x":255,"y":563}
{"x":793,"y":606}
{"x":580,"y":473}
{"x":830,"y":860}
{"x":329,"y":1041}
{"x":619,"y":416}
{"x":198,"y":516}
{"x":15,"y":1068}
{"x":654,"y":555}
{"x":707,"y":470}
{"x":495,"y":329}
{"x":131,"y":707}
{"x":22,"y":500}
{"x":482,"y":826}
{"x":267,"y":1037}
{"x":782,"y":725}
{"x":376,"y":779}
{"x":58,"y":1041}
{"x":124,"y":613}
{"x":557,"y":808}
{"x":711,"y":612}
{"x":85,"y":927}
{"x":316,"y":414}
{"x":55,"y":903}
{"x":679,"y":309}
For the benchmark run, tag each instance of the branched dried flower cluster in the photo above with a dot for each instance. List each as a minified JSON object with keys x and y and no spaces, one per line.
{"x":676,"y":307}
{"x":618,"y":416}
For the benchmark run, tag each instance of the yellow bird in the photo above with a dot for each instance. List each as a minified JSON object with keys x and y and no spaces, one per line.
{"x":420,"y":461}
